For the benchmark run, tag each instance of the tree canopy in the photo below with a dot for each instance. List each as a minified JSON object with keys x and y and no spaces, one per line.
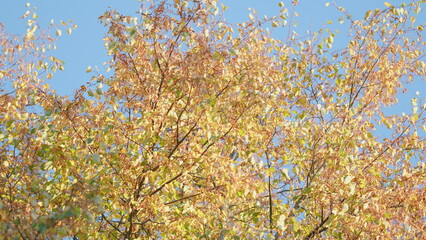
{"x":212,"y":130}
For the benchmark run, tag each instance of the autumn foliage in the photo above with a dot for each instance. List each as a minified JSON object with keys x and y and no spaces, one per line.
{"x":213,"y":130}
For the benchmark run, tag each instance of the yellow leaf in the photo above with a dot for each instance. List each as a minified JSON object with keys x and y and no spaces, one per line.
{"x":348,"y":179}
{"x":345,"y":208}
{"x":387,"y":4}
{"x":367,"y":14}
{"x":281,"y":222}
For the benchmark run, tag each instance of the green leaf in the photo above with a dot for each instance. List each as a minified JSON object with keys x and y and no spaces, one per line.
{"x":132,"y":31}
{"x":414,"y":118}
{"x":270,"y":171}
{"x":76,"y":211}
{"x":96,"y":158}
{"x":284,"y":173}
{"x":295,"y":223}
{"x":89,"y":217}
{"x":9,"y":124}
{"x":68,"y":213}
{"x":48,"y":112}
{"x":216,"y":55}
{"x":41,"y":227}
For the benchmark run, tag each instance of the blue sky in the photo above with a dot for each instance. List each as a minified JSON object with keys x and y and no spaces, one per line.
{"x":85,"y":46}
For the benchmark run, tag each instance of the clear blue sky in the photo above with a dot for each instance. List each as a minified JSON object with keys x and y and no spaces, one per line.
{"x":85,"y":46}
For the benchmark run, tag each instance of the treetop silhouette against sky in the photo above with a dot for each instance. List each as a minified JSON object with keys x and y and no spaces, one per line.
{"x":85,"y":46}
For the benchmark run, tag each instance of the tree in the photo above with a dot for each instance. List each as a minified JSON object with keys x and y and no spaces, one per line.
{"x":215,"y":131}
